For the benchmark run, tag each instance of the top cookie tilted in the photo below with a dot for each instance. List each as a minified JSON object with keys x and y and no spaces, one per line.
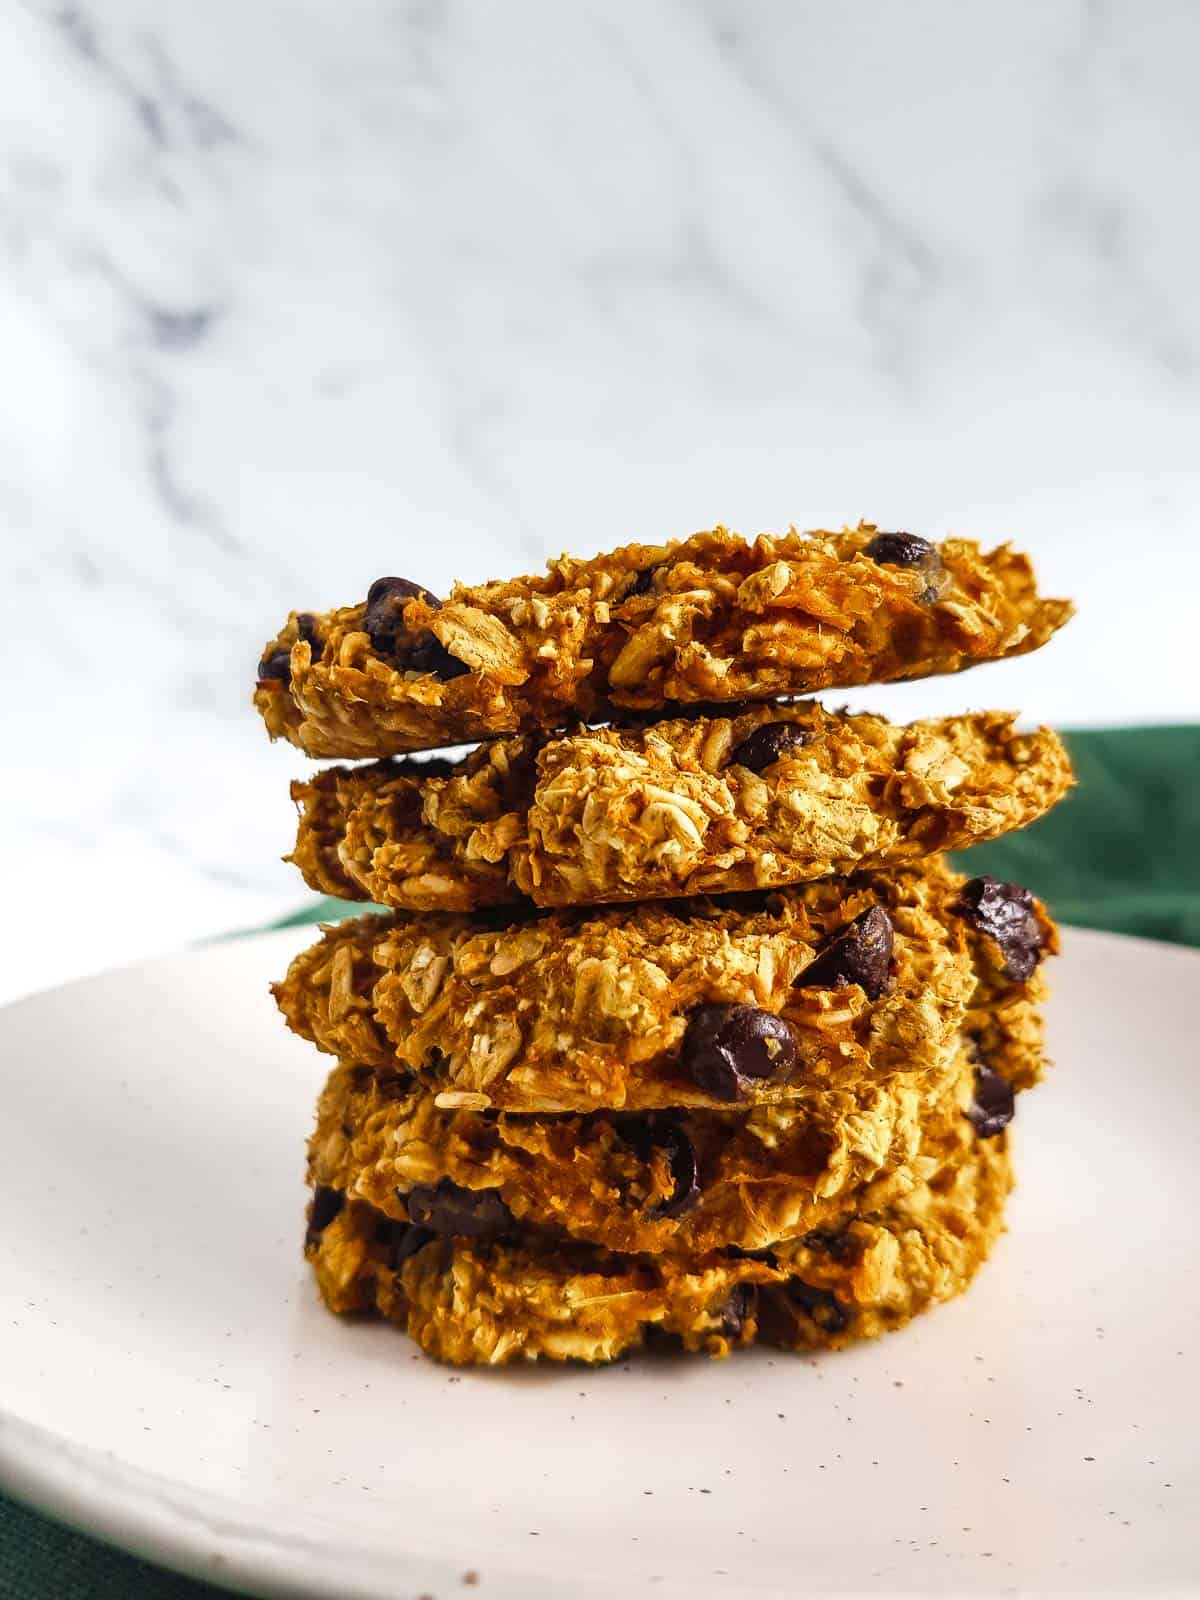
{"x":710,"y":619}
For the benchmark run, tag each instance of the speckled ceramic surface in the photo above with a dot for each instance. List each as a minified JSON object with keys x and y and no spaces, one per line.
{"x":168,"y":1379}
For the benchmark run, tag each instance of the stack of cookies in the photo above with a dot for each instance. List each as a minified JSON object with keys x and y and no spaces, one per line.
{"x":678,"y":1027}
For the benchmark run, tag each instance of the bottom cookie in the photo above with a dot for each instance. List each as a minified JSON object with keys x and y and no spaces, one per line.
{"x":525,"y":1295}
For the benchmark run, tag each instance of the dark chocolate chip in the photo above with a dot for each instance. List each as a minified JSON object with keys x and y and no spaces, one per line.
{"x":660,"y":1131}
{"x":837,"y":1245}
{"x":386,"y":600}
{"x":399,"y":591}
{"x":727,"y":1047}
{"x":994,"y":1105}
{"x":739,"y":1307}
{"x":306,"y":629}
{"x":445,"y":1208}
{"x":861,"y":954}
{"x":660,"y":1341}
{"x":326,"y":1203}
{"x":401,"y":1240}
{"x":643,"y":581}
{"x":764,"y":747}
{"x":429,"y":655}
{"x":1005,"y":912}
{"x":899,"y":549}
{"x":276,"y":667}
{"x":787,"y":1312}
{"x":909,"y":550}
{"x":822,"y":1307}
{"x":681,"y":1155}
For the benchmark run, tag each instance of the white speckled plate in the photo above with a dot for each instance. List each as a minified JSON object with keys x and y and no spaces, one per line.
{"x":169,"y":1381}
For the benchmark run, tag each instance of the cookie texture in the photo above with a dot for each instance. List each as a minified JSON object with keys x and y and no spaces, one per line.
{"x":693,"y":1003}
{"x":523,"y":1295}
{"x":681,"y":1182}
{"x":760,"y":797}
{"x":713,"y":618}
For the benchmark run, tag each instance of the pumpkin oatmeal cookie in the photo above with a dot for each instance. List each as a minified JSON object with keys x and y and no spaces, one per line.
{"x":681,"y":1182}
{"x":713,"y":618}
{"x":491,"y":1297}
{"x":757,"y":798}
{"x":767,"y":1000}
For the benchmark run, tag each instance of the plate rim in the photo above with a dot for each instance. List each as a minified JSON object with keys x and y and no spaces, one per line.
{"x":90,"y":1493}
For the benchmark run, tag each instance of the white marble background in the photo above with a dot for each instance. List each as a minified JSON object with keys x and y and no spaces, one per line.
{"x":295,"y":294}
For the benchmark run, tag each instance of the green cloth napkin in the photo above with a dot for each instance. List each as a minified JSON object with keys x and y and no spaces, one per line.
{"x":39,"y":1560}
{"x":1120,"y":853}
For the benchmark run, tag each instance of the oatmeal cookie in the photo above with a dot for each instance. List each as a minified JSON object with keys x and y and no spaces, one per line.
{"x":712,"y":618}
{"x":763,"y":1000}
{"x":757,"y":798}
{"x":494,"y":1298}
{"x":681,"y":1182}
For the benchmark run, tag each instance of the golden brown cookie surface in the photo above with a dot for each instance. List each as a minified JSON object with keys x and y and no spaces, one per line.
{"x":712,"y":618}
{"x":682,"y":1182}
{"x":759,"y":798}
{"x":763,"y":1000}
{"x":494,"y":1300}
{"x":662,"y":1004}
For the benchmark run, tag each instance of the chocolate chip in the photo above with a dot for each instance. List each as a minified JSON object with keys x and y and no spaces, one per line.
{"x":899,"y":549}
{"x":727,"y":1047}
{"x":838,"y":1246}
{"x":822,"y":1307}
{"x":400,"y":1240}
{"x":399,"y":591}
{"x":384,"y":622}
{"x":659,"y":1131}
{"x":681,"y":1156}
{"x":445,"y":1208}
{"x":739,"y":1307}
{"x":909,"y":550}
{"x":861,"y":954}
{"x":326,"y":1203}
{"x":386,"y":600}
{"x":766,"y":745}
{"x":786,"y":1313}
{"x":643,"y":581}
{"x":659,"y":1341}
{"x":1005,"y":912}
{"x":306,"y":629}
{"x":429,"y":655}
{"x":994,"y":1105}
{"x":276,"y":667}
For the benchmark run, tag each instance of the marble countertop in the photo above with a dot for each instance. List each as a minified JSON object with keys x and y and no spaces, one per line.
{"x":291,"y":296}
